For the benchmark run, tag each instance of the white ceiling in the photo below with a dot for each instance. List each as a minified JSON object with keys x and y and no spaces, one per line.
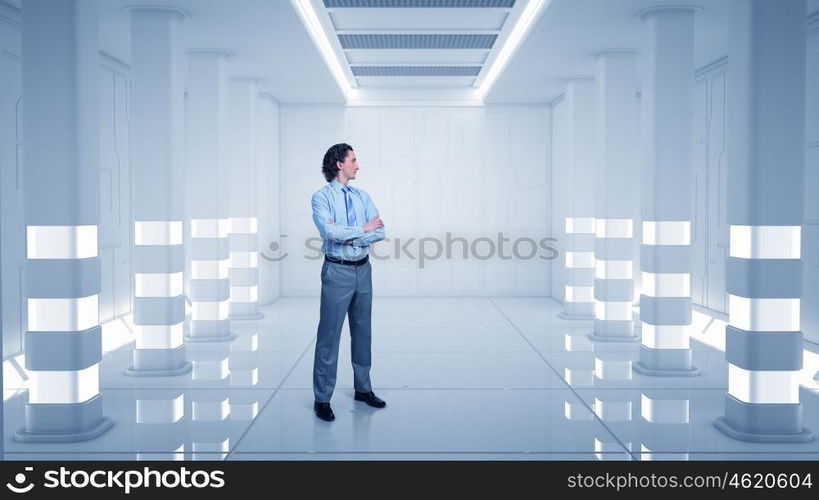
{"x":398,"y":44}
{"x":269,"y":41}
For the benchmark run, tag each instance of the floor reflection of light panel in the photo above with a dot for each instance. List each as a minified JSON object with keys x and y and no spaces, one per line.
{"x":160,"y":411}
{"x":176,"y":455}
{"x":577,"y":377}
{"x":612,"y":411}
{"x":245,"y":343}
{"x":576,"y":411}
{"x":210,"y":367}
{"x":577,"y":343}
{"x":609,"y":449}
{"x":612,"y":369}
{"x":664,"y":411}
{"x":244,"y":378}
{"x":204,"y":450}
{"x":210,"y":410}
{"x":244,"y":410}
{"x":646,"y":455}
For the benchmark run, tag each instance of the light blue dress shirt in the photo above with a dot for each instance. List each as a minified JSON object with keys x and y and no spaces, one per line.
{"x":340,"y":240}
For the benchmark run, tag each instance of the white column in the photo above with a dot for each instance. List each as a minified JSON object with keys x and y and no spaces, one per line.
{"x":62,"y":213}
{"x":158,"y":177}
{"x":810,"y":226}
{"x":766,"y":169}
{"x":208,"y":195}
{"x":579,"y":255}
{"x":616,"y":129}
{"x":244,"y":186}
{"x":668,"y":191}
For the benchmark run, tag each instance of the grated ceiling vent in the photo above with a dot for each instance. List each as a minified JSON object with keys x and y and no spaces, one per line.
{"x":433,"y":41}
{"x":425,"y":4}
{"x":416,"y":70}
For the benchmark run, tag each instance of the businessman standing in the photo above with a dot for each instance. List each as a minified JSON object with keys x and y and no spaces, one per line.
{"x":348,"y":223}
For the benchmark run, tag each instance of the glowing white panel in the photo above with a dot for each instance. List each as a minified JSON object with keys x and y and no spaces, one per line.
{"x":244,"y":225}
{"x":665,"y":336}
{"x":61,"y":242}
{"x":209,"y":269}
{"x":579,"y":225}
{"x":210,"y":228}
{"x":613,"y":311}
{"x":667,"y":284}
{"x":158,"y":232}
{"x":63,"y":315}
{"x":614,"y":228}
{"x":775,"y":315}
{"x":579,"y":293}
{"x":210,"y":410}
{"x":664,"y":411}
{"x":666,"y":232}
{"x":244,"y":260}
{"x":580,"y":260}
{"x":68,"y":386}
{"x":244,"y":293}
{"x":765,"y":242}
{"x":210,"y":311}
{"x":613,"y":269}
{"x":753,"y":386}
{"x":157,"y":284}
{"x":160,"y":411}
{"x":160,"y":336}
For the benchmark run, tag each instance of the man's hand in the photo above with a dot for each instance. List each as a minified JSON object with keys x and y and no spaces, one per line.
{"x":374,"y":224}
{"x":330,"y":220}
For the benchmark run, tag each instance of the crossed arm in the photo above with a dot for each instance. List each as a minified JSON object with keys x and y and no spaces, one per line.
{"x":346,"y":235}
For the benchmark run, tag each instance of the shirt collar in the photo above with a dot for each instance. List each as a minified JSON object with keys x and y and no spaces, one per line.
{"x":337,"y":185}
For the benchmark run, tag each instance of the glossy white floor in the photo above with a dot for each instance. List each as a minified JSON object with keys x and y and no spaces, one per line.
{"x":464,"y":378}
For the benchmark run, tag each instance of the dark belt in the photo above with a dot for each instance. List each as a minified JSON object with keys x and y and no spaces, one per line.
{"x":347,"y":262}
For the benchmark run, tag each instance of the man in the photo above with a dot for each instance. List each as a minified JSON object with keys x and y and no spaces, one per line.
{"x":348,"y":223}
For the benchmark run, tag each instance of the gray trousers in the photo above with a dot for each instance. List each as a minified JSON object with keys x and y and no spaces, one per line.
{"x":345,"y":291}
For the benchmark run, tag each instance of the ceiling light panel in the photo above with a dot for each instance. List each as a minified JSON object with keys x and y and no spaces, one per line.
{"x":417,"y":41}
{"x":423,"y":4}
{"x":416,"y":70}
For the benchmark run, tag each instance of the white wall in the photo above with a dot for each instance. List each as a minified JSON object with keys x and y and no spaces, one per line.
{"x":429,"y":170}
{"x":12,"y":248}
{"x":114,"y":176}
{"x":561,"y":194}
{"x":267,"y":157}
{"x":710,"y":228}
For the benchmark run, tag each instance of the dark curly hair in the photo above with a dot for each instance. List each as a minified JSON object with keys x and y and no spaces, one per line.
{"x":337,"y":152}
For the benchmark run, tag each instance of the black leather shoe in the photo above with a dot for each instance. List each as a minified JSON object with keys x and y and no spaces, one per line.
{"x":370,"y":398}
{"x":324,"y":412}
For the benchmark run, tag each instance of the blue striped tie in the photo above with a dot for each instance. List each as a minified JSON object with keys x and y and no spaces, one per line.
{"x":349,"y":202}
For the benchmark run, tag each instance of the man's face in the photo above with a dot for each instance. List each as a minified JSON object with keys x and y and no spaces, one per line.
{"x":349,"y":167}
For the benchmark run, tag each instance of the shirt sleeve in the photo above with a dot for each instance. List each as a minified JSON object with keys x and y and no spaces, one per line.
{"x":370,"y":237}
{"x":335,"y":232}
